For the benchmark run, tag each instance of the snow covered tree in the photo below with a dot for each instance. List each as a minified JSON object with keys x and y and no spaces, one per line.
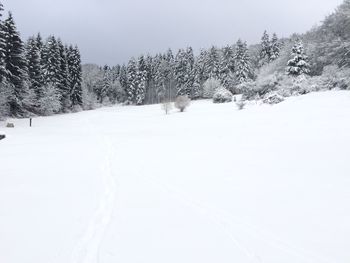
{"x":265,"y":49}
{"x":123,"y":78}
{"x":63,"y":77}
{"x":141,"y":77}
{"x":35,"y":73}
{"x":226,"y":68}
{"x":180,"y":72}
{"x":16,"y":68}
{"x":275,"y":48}
{"x":74,"y":76}
{"x":2,"y":47}
{"x":196,"y":90}
{"x":298,"y":64}
{"x":212,"y":62}
{"x":131,"y":81}
{"x":242,"y":64}
{"x":50,"y":57}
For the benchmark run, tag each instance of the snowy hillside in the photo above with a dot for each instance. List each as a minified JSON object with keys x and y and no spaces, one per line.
{"x":213,"y":184}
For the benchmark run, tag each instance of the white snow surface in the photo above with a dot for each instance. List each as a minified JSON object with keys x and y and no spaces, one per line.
{"x":212,"y":184}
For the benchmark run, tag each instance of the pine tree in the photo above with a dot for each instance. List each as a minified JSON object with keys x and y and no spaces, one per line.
{"x":123,"y":78}
{"x":75,"y":75}
{"x":226,"y":68}
{"x":2,"y":47}
{"x":265,"y":50}
{"x":50,"y":58}
{"x":196,"y":86}
{"x":16,"y":68}
{"x":180,"y":72}
{"x":275,"y":48}
{"x":212,"y":62}
{"x":35,"y":73}
{"x":242,"y":63}
{"x":131,"y":81}
{"x":141,"y":77}
{"x":298,"y":64}
{"x":63,"y":76}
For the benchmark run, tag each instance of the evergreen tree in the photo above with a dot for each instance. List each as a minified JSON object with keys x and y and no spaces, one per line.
{"x":212,"y":63}
{"x":131,"y":81}
{"x":141,"y":77}
{"x":123,"y":78}
{"x":35,"y":73}
{"x":226,"y":68}
{"x":2,"y":47}
{"x":265,"y":50}
{"x":75,"y":74}
{"x":16,"y":68}
{"x":298,"y":64}
{"x":275,"y":48}
{"x":63,"y":77}
{"x":196,"y":86}
{"x":242,"y":64}
{"x":180,"y":72}
{"x":50,"y":58}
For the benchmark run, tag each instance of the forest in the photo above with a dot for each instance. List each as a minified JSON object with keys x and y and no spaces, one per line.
{"x":46,"y":77}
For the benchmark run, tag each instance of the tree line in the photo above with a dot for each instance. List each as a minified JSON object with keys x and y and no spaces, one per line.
{"x":153,"y":79}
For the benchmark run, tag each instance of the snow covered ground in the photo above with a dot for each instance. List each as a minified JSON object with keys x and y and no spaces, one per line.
{"x":213,"y":184}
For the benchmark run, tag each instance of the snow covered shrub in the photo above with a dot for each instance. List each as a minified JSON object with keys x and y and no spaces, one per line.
{"x":50,"y":101}
{"x":222,"y":95}
{"x":209,"y":87}
{"x":240,"y":104}
{"x":89,"y":100}
{"x":167,"y":106}
{"x":4,"y":107}
{"x":247,"y":89}
{"x":77,"y":108}
{"x":273,"y":98}
{"x":336,"y":78}
{"x":182,"y":102}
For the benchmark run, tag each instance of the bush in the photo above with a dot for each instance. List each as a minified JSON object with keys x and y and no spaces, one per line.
{"x":222,"y":95}
{"x":273,"y":98}
{"x":182,"y":102}
{"x":210,"y":87}
{"x":240,"y":104}
{"x":50,"y":101}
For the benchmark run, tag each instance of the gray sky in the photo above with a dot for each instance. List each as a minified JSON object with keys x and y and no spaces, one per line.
{"x":111,"y":31}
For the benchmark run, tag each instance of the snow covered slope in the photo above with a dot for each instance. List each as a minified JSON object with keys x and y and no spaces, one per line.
{"x":213,"y":184}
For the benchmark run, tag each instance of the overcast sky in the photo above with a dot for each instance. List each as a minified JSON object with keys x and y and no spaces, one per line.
{"x":111,"y":31}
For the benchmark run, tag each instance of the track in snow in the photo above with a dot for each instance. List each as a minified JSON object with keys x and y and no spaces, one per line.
{"x":87,"y":249}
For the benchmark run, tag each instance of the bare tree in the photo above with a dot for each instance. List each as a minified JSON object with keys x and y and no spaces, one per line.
{"x":182,"y":102}
{"x":167,"y":106}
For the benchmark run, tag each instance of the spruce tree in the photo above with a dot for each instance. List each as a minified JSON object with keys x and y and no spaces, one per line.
{"x":123,"y":78}
{"x":242,"y":63}
{"x":50,"y":58}
{"x":298,"y":64}
{"x":74,"y":75}
{"x":265,"y":49}
{"x":275,"y":48}
{"x":35,"y":73}
{"x":131,"y":81}
{"x":16,"y":68}
{"x":141,"y":77}
{"x":63,"y":76}
{"x":212,"y":63}
{"x":2,"y":47}
{"x":226,"y":68}
{"x":180,"y":72}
